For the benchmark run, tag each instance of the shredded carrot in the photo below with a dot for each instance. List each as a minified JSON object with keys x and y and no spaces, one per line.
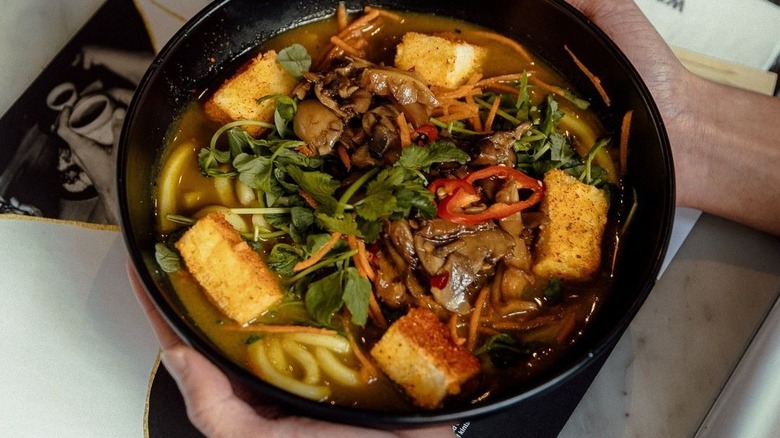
{"x":346,"y":48}
{"x":453,"y":109}
{"x":593,"y":78}
{"x":457,"y":106}
{"x":358,"y":25}
{"x":367,"y":370}
{"x":547,"y":87}
{"x":569,"y":321}
{"x":453,"y":117}
{"x":309,"y":199}
{"x":403,"y":130}
{"x":361,"y":257}
{"x":492,"y":114}
{"x":365,"y":259}
{"x":504,"y":40}
{"x":341,"y":42}
{"x":471,"y":340}
{"x":272,"y":328}
{"x":373,"y":305}
{"x":384,"y":13}
{"x":306,"y":150}
{"x":366,"y":271}
{"x":512,"y":77}
{"x":503,"y":88}
{"x":460,"y":92}
{"x":319,"y":254}
{"x":341,"y":16}
{"x":474,"y":78}
{"x":343,"y":156}
{"x":475,"y":121}
{"x":453,"y":325}
{"x":624,"y":131}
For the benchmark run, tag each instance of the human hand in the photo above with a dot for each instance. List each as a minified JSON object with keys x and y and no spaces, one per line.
{"x":662,"y":72}
{"x":98,"y":161}
{"x":218,"y":409}
{"x":724,"y":139}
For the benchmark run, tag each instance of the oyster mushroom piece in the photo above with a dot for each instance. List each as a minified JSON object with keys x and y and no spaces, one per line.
{"x":316,"y":125}
{"x":409,"y":91}
{"x":498,"y":148}
{"x":454,"y":295}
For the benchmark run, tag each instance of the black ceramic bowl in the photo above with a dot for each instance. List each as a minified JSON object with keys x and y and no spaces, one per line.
{"x":214,"y":39}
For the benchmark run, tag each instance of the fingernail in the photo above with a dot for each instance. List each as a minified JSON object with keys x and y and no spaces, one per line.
{"x":174,"y":361}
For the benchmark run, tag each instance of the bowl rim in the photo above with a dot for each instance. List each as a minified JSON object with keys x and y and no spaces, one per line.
{"x":372,"y":417}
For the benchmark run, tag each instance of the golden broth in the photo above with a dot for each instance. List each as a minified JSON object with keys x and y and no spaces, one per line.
{"x":182,"y":190}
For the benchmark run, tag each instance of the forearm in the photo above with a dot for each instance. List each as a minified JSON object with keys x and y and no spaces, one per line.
{"x":726,"y":149}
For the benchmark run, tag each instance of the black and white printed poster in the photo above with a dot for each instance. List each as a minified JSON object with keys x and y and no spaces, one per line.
{"x":57,"y":139}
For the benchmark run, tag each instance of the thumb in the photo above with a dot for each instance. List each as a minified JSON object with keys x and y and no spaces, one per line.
{"x":212,"y":406}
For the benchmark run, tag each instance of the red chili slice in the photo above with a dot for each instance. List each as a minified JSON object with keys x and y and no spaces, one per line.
{"x":444,"y":187}
{"x":460,"y":193}
{"x":426,"y":134}
{"x":439,"y":281}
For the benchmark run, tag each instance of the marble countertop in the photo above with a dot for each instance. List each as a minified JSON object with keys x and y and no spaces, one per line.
{"x":667,"y":371}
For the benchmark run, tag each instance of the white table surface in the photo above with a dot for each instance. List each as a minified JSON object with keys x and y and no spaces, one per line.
{"x":662,"y":379}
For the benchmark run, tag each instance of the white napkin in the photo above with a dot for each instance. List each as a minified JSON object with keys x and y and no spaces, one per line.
{"x":742,"y":31}
{"x":77,"y":352}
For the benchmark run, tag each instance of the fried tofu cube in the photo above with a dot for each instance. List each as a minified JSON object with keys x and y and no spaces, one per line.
{"x":575,"y":215}
{"x":417,"y":353}
{"x":440,"y":61}
{"x":237,"y":98}
{"x":231,"y":273}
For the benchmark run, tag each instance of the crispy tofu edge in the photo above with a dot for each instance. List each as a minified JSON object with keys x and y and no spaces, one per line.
{"x":426,"y":348}
{"x":436,"y":58}
{"x":244,"y":287}
{"x":236,"y":98}
{"x":569,"y":244}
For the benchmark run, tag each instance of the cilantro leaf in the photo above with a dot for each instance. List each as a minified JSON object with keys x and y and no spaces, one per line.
{"x":324,"y":298}
{"x":320,"y":185}
{"x":209,"y":160}
{"x":290,"y":157}
{"x":283,"y":257}
{"x":503,"y":350}
{"x":357,"y":291}
{"x":377,"y":205}
{"x":553,"y":290}
{"x":255,"y":171}
{"x":284,"y":112}
{"x":551,"y":116}
{"x":415,"y":196}
{"x":168,"y":259}
{"x":344,"y":224}
{"x":423,"y":157}
{"x":380,"y":200}
{"x":295,"y":59}
{"x":327,"y":295}
{"x":394,"y":194}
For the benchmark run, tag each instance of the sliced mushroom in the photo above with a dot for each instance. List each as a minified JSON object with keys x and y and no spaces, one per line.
{"x":454,"y":296}
{"x":388,"y":284}
{"x":404,"y":88}
{"x":499,"y":147}
{"x":440,"y":230}
{"x":316,"y":125}
{"x":520,"y":258}
{"x":400,"y":234}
